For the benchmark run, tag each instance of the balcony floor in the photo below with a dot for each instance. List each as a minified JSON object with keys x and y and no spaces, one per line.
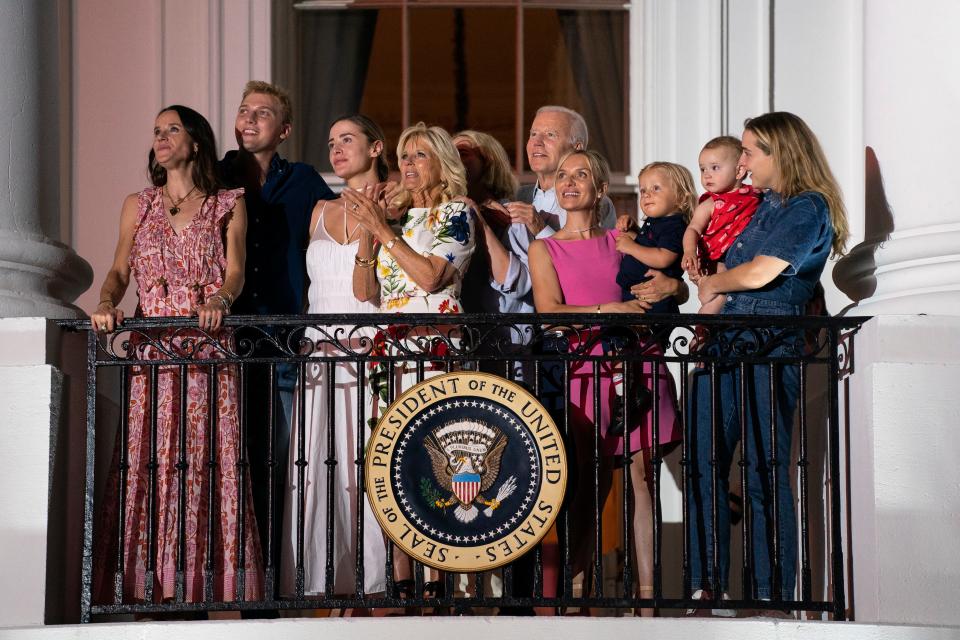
{"x":483,"y":628}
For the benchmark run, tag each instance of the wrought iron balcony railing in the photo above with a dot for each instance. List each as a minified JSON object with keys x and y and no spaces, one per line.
{"x":157,"y":537}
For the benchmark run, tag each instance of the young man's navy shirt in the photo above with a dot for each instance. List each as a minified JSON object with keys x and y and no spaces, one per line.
{"x":278,"y":230}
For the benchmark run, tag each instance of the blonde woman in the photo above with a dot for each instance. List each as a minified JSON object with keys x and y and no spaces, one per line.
{"x":575,"y":271}
{"x":772,"y":269}
{"x":419,"y":266}
{"x":417,"y":269}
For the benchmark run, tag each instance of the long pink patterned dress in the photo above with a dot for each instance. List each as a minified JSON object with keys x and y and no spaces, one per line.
{"x":174,"y":273}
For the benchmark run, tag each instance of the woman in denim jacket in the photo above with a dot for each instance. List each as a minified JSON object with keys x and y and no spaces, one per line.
{"x":772,"y":269}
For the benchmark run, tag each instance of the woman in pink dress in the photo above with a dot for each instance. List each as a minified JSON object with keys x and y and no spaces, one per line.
{"x":183,"y":241}
{"x":575,"y":271}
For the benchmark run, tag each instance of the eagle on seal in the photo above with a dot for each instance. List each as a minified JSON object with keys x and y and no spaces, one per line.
{"x":465,"y":456}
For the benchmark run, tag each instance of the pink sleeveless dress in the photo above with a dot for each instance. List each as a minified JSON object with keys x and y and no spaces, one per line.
{"x":175,"y":271}
{"x":587,"y":270}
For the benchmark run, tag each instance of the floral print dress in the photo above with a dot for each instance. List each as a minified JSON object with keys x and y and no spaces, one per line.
{"x":175,"y":271}
{"x":446,"y":231}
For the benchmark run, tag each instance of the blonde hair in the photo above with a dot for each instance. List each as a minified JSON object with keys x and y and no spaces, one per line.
{"x":681,"y":180}
{"x":453,"y":177}
{"x":286,"y":107}
{"x":801,"y":165}
{"x":498,"y":178}
{"x":599,"y":169}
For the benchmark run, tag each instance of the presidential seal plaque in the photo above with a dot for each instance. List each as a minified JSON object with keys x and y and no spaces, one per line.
{"x":466,"y":471}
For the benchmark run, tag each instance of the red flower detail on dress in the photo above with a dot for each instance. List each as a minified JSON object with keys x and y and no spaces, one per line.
{"x":446,"y":307}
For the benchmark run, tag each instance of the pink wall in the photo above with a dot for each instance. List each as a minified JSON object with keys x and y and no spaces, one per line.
{"x":130,"y":58}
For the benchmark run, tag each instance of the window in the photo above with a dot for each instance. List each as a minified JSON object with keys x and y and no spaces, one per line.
{"x":485,"y":65}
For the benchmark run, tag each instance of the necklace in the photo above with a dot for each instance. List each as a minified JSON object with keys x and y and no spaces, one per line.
{"x":584,"y":230}
{"x":175,"y":209}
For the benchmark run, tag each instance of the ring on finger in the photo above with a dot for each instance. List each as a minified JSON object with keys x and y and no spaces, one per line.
{"x":355,"y":207}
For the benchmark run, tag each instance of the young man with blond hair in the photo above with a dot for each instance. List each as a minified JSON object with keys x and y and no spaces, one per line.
{"x":280,"y":196}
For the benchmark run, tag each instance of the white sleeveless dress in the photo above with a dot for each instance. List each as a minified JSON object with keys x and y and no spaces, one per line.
{"x":330,"y":267}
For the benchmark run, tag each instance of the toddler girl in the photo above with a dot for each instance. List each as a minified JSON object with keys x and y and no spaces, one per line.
{"x":724,"y":211}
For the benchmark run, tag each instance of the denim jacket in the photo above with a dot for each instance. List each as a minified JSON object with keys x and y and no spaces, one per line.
{"x":797,"y":231}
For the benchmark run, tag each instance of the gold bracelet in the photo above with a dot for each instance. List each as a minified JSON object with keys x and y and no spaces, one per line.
{"x":226,"y":295}
{"x":366,"y":263}
{"x":106,"y":300}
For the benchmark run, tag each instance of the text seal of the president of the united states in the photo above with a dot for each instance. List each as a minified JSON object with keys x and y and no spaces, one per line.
{"x":466,"y":471}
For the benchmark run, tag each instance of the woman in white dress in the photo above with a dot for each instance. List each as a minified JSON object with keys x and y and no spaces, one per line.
{"x":357,"y":155}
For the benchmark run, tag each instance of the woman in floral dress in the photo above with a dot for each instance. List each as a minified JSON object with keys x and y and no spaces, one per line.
{"x":183,"y":241}
{"x":419,"y":266}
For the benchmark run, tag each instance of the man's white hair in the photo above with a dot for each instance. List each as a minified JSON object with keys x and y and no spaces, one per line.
{"x":578,"y":126}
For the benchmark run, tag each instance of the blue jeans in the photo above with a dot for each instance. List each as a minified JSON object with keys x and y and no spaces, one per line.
{"x":761,"y":475}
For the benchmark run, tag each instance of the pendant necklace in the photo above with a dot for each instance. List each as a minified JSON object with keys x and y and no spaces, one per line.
{"x":175,"y":209}
{"x":584,"y":230}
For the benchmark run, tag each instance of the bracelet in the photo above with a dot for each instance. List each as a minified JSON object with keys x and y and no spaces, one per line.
{"x":107,"y":300}
{"x":366,"y":263}
{"x":389,"y":244}
{"x":223,"y":301}
{"x":227,"y":296}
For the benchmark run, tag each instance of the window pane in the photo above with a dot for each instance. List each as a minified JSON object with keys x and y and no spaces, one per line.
{"x":462,"y":67}
{"x":577,"y":59}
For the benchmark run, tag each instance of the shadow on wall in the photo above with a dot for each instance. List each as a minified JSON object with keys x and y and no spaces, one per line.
{"x":855,"y":273}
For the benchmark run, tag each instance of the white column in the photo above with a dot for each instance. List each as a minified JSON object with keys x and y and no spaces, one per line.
{"x":39,"y":276}
{"x":909,"y":261}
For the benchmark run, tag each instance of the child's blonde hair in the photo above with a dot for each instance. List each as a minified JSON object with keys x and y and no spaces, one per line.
{"x":682,"y":181}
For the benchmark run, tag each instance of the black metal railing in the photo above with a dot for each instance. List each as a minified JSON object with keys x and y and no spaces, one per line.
{"x":179,"y":466}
